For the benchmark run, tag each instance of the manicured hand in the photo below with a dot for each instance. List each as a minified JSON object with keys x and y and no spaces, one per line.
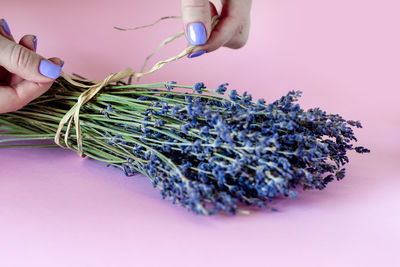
{"x":231,"y":31}
{"x":24,"y":75}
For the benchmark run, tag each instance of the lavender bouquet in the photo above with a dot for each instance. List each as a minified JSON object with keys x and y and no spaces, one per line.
{"x":206,"y":150}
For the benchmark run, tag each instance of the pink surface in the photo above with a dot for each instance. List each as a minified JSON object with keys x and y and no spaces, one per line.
{"x":59,"y":210}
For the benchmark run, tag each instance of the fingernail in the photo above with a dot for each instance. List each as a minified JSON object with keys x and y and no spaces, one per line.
{"x":197,"y":33}
{"x":5,"y":27}
{"x":34,"y":42}
{"x":62,"y":64}
{"x":49,"y":69}
{"x":197,"y":54}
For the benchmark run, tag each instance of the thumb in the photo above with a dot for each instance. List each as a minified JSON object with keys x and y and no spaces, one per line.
{"x":26,"y":63}
{"x":196,"y":19}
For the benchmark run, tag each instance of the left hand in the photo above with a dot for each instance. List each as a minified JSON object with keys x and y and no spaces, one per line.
{"x":24,"y":74}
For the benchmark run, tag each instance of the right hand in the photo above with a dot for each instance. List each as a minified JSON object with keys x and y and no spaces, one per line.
{"x":231,"y":31}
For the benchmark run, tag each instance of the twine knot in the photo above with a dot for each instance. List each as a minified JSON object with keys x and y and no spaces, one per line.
{"x":72,"y":116}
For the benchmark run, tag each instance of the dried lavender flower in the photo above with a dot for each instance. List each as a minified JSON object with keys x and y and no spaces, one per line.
{"x":204,"y":151}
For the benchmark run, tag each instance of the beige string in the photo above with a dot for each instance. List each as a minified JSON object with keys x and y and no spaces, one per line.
{"x":148,"y":25}
{"x":72,"y":116}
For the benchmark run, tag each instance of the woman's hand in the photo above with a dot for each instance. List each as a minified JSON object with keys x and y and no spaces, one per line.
{"x":231,"y":31}
{"x":24,"y":75}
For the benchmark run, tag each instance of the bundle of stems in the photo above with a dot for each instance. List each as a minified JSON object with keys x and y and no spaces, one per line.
{"x":206,"y":150}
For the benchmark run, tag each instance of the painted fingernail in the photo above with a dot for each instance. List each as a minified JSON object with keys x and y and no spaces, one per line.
{"x":62,"y":64}
{"x":5,"y":27}
{"x":34,"y":42}
{"x":49,"y":69}
{"x":197,"y":54}
{"x":197,"y":33}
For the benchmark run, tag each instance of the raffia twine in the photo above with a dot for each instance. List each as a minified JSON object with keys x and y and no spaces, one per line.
{"x":72,"y":116}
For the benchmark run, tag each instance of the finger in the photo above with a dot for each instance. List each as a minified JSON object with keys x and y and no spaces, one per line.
{"x":222,"y":34}
{"x":196,"y":19}
{"x":241,"y":36}
{"x":240,"y":10}
{"x":26,"y":63}
{"x":30,"y":42}
{"x":15,"y":97}
{"x":5,"y":30}
{"x":213,"y":10}
{"x":198,"y":52}
{"x":233,"y":28}
{"x":57,"y":61}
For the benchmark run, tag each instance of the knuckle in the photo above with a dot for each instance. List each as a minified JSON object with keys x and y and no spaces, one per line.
{"x":20,"y":56}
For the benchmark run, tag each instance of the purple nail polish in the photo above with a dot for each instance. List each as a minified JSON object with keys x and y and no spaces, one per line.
{"x":62,"y":64}
{"x":49,"y":69}
{"x":197,"y":33}
{"x":5,"y":27}
{"x":34,"y":43}
{"x":197,"y":54}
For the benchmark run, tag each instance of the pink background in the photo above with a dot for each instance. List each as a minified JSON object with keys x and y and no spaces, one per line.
{"x":59,"y":210}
